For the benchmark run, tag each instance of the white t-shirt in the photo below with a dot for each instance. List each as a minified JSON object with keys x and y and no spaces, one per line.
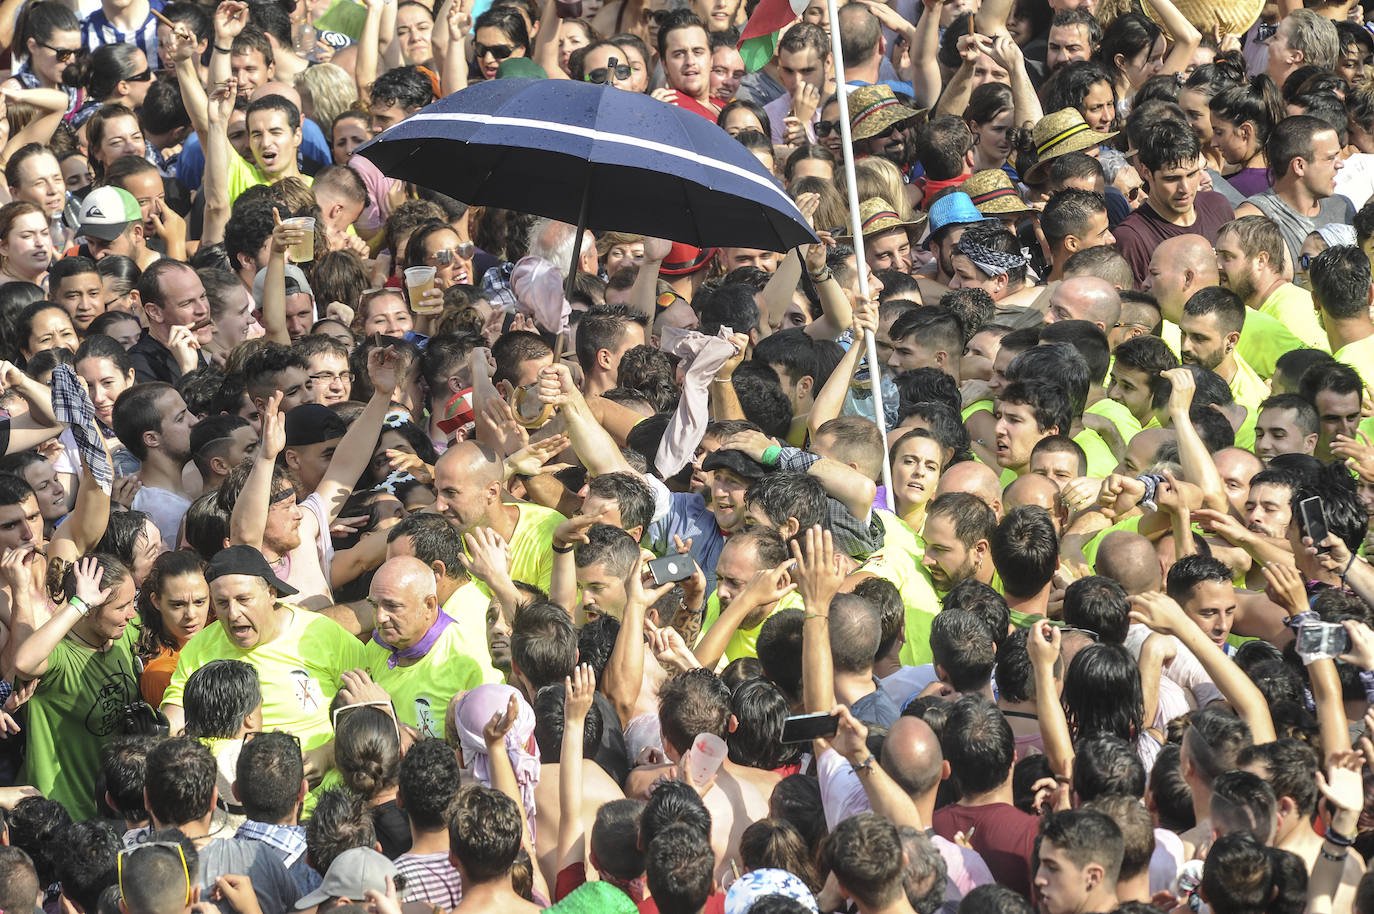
{"x":166,"y":508}
{"x":907,"y":683}
{"x":1184,"y":669}
{"x":1355,"y":180}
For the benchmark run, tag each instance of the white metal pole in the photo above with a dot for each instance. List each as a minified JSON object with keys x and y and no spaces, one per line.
{"x":856,"y":231}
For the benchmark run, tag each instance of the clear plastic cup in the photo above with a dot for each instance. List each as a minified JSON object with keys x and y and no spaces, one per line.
{"x":705,"y":758}
{"x":420,"y":280}
{"x":302,"y":251}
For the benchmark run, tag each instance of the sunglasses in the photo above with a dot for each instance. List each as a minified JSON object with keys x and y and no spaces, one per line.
{"x":498,"y":51}
{"x":658,"y":16}
{"x":602,"y":75}
{"x":143,"y":77}
{"x":447,"y":255}
{"x":169,"y":845}
{"x":384,"y":706}
{"x":63,"y":54}
{"x":825,"y":128}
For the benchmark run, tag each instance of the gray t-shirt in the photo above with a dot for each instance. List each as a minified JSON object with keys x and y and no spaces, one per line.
{"x":273,"y":885}
{"x":1294,"y":226}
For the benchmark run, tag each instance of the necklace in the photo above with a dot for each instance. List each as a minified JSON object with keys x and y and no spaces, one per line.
{"x":75,"y":634}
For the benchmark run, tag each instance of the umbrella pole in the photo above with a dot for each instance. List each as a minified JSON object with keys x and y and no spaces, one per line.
{"x":856,"y":232}
{"x":576,"y":253}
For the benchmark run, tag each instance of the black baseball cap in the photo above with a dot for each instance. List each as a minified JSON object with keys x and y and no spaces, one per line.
{"x":311,"y":423}
{"x":737,"y":462}
{"x":249,"y":561}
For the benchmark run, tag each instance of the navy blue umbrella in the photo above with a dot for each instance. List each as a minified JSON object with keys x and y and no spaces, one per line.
{"x":593,"y":156}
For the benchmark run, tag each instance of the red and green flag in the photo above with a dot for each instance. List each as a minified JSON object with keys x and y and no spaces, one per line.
{"x":759,"y":39}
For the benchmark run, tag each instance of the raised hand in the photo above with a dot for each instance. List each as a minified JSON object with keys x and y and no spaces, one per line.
{"x":488,"y":555}
{"x":530,"y":460}
{"x":850,"y":739}
{"x":1285,"y":587}
{"x":574,"y":529}
{"x":87,"y":573}
{"x":230,"y":18}
{"x":1159,"y":612}
{"x":222,"y":97}
{"x":285,"y":234}
{"x":819,"y":574}
{"x":501,"y":723}
{"x":384,"y":369}
{"x":578,"y":691}
{"x":1181,"y":393}
{"x":1044,"y":643}
{"x":273,"y":440}
{"x":1342,"y":784}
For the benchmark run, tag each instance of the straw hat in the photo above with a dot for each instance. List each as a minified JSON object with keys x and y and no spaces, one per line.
{"x":1058,"y":134}
{"x":1235,"y":16}
{"x":873,"y":109}
{"x":993,"y":193}
{"x":876,"y":216}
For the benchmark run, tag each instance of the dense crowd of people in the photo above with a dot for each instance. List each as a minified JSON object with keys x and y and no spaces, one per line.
{"x":347,"y":566}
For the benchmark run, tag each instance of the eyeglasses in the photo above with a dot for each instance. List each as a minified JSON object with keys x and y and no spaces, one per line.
{"x":445,"y":257}
{"x":329,"y":377}
{"x":379,"y":705}
{"x":63,"y":54}
{"x":143,"y":77}
{"x":498,"y":51}
{"x":1266,"y":31}
{"x":601,"y":75}
{"x":825,"y":128}
{"x":169,"y":845}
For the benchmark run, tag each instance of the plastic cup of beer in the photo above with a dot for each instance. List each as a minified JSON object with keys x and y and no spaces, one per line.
{"x":420,"y":280}
{"x":302,"y":251}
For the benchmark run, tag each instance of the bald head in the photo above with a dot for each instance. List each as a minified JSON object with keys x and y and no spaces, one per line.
{"x":911,"y":756}
{"x":285,"y":90}
{"x":1086,"y":298}
{"x":1181,"y":266}
{"x":1129,"y":559}
{"x":477,"y":462}
{"x":1142,"y":448}
{"x":975,"y":478}
{"x":1032,"y":489}
{"x":407,"y":573}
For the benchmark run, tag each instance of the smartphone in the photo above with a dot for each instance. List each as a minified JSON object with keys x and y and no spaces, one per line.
{"x":1313,"y":520}
{"x":1323,"y":639}
{"x":672,"y":568}
{"x":802,"y":728}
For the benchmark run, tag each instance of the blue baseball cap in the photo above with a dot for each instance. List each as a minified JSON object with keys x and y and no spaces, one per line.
{"x":954,"y":208}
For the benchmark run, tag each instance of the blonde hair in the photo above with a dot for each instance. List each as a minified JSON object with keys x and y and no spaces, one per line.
{"x":332,"y":90}
{"x":611,"y":239}
{"x":877,"y":177}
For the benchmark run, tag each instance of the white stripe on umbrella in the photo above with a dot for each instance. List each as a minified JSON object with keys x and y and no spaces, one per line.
{"x":614,"y":138}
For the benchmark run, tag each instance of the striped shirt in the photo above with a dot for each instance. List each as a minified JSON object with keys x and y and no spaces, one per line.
{"x":96,"y":30}
{"x":430,"y":878}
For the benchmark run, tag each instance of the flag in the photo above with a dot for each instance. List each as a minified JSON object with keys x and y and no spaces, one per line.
{"x":759,"y":39}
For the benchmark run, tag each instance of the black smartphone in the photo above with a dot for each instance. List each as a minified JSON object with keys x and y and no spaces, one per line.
{"x":672,"y":568}
{"x":803,"y":728}
{"x":1313,"y":520}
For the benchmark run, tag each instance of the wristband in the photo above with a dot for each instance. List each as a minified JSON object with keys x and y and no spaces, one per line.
{"x":1348,"y":565}
{"x":80,"y":605}
{"x":224,"y":50}
{"x":771,"y":455}
{"x":1334,"y":858}
{"x":824,"y":274}
{"x":866,"y":766}
{"x":564,"y":551}
{"x":1339,"y":839}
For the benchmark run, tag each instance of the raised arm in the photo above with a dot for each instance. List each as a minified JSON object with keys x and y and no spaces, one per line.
{"x":1198,"y":466}
{"x":768,"y":585}
{"x":885,"y":796}
{"x":1044,"y":647}
{"x":1343,"y":788}
{"x":33,"y":654}
{"x":644,"y":292}
{"x":84,"y":527}
{"x":624,"y":673}
{"x":829,"y":402}
{"x":1165,"y":616}
{"x":1186,"y":36}
{"x":579,"y":690}
{"x":819,"y":577}
{"x":355,"y":449}
{"x":274,"y":284}
{"x":459,"y":19}
{"x":546,"y":42}
{"x":594,"y":446}
{"x":369,"y":47}
{"x":841,"y":482}
{"x":777,"y":294}
{"x":215,"y":143}
{"x":837,"y":314}
{"x":925,"y":76}
{"x":1027,"y":104}
{"x":248,"y":520}
{"x":954,"y":101}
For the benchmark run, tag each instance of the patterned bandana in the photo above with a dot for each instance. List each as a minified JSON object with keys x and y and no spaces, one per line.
{"x":993,"y":263}
{"x":72,"y":405}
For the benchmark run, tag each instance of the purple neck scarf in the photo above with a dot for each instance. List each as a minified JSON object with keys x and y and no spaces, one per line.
{"x":419,"y":648}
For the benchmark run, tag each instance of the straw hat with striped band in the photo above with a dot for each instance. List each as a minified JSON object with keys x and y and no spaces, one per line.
{"x":993,"y":193}
{"x":1058,"y":134}
{"x":873,"y":109}
{"x":876,"y":216}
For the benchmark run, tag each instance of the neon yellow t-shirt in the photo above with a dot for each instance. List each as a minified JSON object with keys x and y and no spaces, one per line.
{"x":977,"y":406}
{"x":1101,"y":460}
{"x":1091,"y":546}
{"x":1262,"y":341}
{"x":1249,"y":391}
{"x":1359,"y":355}
{"x":298,"y":671}
{"x":1292,"y":307}
{"x":531,"y":546}
{"x":468,"y":607}
{"x":1117,"y":414}
{"x":744,"y":642}
{"x":899,"y":561}
{"x":244,"y":174}
{"x":421,"y":691}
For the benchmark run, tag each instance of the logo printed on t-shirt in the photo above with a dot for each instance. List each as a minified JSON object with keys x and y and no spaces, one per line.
{"x":308,"y":693}
{"x":424,"y":718}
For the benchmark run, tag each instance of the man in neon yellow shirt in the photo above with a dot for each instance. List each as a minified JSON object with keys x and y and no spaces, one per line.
{"x":1028,"y":411}
{"x":1342,"y":292}
{"x":1211,"y":325}
{"x":432,"y":539}
{"x":416,"y":652}
{"x":299,"y":655}
{"x":752,"y":583}
{"x":1250,"y":256}
{"x":469,"y":479}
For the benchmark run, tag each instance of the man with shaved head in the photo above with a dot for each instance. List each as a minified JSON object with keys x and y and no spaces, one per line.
{"x":1143,"y":448}
{"x":976,"y":478}
{"x":1129,"y":559}
{"x":417,"y":653}
{"x":469,"y":479}
{"x":1187,"y":264}
{"x":911,"y":756}
{"x":1040,"y":491}
{"x":1087,"y":298}
{"x":1237,"y":466}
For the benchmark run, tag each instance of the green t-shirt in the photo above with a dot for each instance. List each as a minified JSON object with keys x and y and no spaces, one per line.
{"x":244,"y":174}
{"x":1359,"y":355}
{"x":1292,"y":307}
{"x":1262,"y":341}
{"x":531,"y":547}
{"x":1249,"y":391}
{"x":298,"y":671}
{"x":1101,"y":461}
{"x":1117,"y":414}
{"x":73,"y":712}
{"x":1090,"y":548}
{"x":421,"y":691}
{"x":468,"y":607}
{"x":899,"y":561}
